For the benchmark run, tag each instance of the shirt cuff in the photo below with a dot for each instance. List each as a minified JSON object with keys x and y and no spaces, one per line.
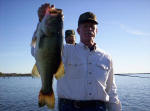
{"x":114,"y":106}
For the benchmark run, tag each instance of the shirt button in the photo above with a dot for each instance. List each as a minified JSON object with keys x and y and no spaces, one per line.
{"x":90,"y":63}
{"x":90,"y":83}
{"x":90,"y":73}
{"x":90,"y":94}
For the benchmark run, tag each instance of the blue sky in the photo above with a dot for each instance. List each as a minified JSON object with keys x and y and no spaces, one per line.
{"x":123,"y":31}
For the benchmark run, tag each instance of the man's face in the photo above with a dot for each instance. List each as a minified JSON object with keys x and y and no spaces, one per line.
{"x":70,"y":40}
{"x":87,"y":32}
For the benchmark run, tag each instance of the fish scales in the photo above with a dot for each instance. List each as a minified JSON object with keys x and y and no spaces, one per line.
{"x":48,"y":51}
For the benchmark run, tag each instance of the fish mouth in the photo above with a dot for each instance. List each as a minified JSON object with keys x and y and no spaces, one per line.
{"x":54,"y":12}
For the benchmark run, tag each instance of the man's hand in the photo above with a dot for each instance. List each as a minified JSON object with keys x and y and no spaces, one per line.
{"x":42,"y":10}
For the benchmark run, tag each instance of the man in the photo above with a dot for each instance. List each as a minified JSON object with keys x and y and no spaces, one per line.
{"x":88,"y":83}
{"x":70,"y":37}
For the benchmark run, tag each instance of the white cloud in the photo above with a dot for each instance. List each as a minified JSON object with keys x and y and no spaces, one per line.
{"x":133,"y":31}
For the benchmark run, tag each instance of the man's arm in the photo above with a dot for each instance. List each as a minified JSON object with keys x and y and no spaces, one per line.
{"x":114,"y":103}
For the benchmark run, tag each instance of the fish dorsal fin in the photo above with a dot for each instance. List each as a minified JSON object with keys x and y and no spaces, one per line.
{"x":35,"y":72}
{"x":60,"y":72}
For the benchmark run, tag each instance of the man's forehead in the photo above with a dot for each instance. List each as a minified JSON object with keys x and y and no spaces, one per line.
{"x":71,"y":36}
{"x":88,"y":24}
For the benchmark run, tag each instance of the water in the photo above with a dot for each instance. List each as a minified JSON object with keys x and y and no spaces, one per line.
{"x":134,"y":92}
{"x":21,"y":93}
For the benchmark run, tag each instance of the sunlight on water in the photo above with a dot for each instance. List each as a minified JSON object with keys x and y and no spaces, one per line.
{"x":21,"y":93}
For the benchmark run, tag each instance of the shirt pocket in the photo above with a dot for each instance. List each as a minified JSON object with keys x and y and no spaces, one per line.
{"x":75,"y":69}
{"x":101,"y":71}
{"x":102,"y":66}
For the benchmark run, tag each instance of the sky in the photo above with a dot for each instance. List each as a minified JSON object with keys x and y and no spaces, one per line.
{"x":123,"y":31}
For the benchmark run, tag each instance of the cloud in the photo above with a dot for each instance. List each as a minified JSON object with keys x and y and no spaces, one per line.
{"x":133,"y":31}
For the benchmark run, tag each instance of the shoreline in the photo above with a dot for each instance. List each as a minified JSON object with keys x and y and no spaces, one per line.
{"x":15,"y":75}
{"x":29,"y":74}
{"x":129,"y":73}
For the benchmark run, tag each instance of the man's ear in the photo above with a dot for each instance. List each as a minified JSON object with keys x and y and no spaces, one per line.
{"x":78,"y":30}
{"x":96,"y":30}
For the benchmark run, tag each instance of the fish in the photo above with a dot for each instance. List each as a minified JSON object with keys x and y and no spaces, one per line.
{"x":48,"y":55}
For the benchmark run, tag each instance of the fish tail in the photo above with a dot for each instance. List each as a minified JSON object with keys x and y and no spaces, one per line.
{"x":47,"y":99}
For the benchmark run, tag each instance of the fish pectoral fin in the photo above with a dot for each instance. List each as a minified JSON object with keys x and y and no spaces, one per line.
{"x":33,"y":42}
{"x":60,"y":72}
{"x":47,"y":99}
{"x":35,"y":72}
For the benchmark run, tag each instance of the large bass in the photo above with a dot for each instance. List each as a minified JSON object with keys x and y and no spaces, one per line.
{"x":48,"y":51}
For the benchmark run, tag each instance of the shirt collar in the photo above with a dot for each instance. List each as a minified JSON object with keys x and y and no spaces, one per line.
{"x":81,"y":44}
{"x":84,"y":46}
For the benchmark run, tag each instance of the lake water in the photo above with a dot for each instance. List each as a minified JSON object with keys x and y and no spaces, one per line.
{"x":21,"y":93}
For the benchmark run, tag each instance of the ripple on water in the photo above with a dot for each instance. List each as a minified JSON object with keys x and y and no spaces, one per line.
{"x":21,"y":93}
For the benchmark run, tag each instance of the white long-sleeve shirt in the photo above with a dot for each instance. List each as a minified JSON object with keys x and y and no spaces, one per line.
{"x":88,"y":76}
